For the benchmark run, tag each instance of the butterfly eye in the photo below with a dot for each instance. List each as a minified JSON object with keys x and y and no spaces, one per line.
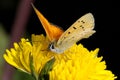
{"x":51,"y":46}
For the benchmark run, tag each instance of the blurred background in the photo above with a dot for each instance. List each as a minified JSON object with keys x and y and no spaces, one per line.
{"x":17,"y":19}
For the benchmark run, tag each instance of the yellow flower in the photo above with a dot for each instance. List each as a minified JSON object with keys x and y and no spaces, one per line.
{"x":20,"y":56}
{"x":76,"y":63}
{"x":80,"y":65}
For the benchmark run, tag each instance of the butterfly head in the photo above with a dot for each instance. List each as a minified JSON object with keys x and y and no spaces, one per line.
{"x":53,"y":47}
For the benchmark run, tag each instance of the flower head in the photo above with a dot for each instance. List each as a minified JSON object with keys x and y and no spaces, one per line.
{"x":20,"y":56}
{"x":80,"y":65}
{"x":76,"y":63}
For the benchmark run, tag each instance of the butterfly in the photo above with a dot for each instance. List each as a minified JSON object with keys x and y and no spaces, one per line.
{"x":60,"y":40}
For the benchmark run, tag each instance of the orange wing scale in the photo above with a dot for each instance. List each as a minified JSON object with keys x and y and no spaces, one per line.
{"x":53,"y":32}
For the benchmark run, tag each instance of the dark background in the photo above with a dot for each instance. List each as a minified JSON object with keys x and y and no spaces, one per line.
{"x":64,"y":13}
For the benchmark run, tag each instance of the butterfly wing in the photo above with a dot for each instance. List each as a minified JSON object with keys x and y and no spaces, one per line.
{"x":82,"y":28}
{"x":53,"y":32}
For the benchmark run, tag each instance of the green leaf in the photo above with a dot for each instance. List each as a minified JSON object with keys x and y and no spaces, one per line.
{"x":35,"y":76}
{"x":47,"y":67}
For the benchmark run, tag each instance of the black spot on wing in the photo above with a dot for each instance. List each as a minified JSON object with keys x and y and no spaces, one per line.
{"x":82,"y":27}
{"x":74,"y":28}
{"x":68,"y":32}
{"x":83,"y":21}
